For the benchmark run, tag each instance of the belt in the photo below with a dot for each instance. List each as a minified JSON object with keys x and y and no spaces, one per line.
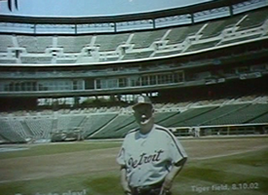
{"x":146,"y":190}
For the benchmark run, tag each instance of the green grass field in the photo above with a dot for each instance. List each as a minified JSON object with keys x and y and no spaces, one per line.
{"x":241,"y":174}
{"x":234,"y":167}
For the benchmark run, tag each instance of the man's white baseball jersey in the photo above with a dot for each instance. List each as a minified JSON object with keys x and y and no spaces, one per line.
{"x":148,"y":158}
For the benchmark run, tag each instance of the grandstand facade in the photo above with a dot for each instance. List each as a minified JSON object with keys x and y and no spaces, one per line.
{"x":211,"y":51}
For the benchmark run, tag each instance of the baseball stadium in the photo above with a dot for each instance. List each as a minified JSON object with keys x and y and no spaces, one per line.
{"x":67,"y":86}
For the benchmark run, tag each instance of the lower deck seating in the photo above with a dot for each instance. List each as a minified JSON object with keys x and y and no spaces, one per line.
{"x":117,"y":125}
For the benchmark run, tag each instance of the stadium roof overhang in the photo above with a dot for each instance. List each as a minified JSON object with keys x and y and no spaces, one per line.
{"x":119,"y":18}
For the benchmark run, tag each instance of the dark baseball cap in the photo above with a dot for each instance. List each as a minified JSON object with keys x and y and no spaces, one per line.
{"x":142,"y":100}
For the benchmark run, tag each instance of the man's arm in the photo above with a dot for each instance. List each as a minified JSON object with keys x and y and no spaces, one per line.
{"x":176,"y":168}
{"x":124,"y":182}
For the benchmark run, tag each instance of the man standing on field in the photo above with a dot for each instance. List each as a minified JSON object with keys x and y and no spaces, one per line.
{"x":151,"y":156}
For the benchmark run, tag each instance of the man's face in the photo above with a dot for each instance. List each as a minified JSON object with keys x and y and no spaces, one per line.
{"x":143,"y":113}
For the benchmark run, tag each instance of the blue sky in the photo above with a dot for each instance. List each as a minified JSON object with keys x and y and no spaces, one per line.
{"x":90,"y":7}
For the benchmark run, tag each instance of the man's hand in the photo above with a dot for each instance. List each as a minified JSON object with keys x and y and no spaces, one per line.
{"x":124,"y":182}
{"x":126,"y":188}
{"x":165,"y":192}
{"x":169,"y":178}
{"x":167,"y":182}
